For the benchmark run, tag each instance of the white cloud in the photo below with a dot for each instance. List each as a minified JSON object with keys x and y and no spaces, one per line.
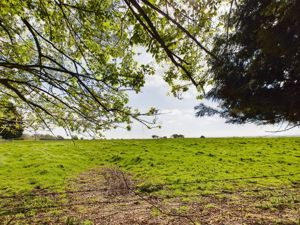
{"x":154,"y":81}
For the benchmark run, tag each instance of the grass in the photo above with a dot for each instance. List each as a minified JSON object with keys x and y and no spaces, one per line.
{"x":28,"y":165}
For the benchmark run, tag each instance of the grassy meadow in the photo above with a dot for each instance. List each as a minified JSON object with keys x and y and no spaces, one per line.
{"x":209,"y":181}
{"x":185,"y":164}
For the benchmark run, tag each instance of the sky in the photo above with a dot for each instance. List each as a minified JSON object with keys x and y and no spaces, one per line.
{"x":178,"y":116}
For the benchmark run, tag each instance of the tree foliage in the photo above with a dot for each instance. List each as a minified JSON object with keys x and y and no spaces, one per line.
{"x":71,"y":63}
{"x":177,"y":136}
{"x":259,"y":80}
{"x":11,"y":124}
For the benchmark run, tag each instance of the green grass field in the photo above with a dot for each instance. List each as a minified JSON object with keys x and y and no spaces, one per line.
{"x":28,"y":165}
{"x":213,"y":180}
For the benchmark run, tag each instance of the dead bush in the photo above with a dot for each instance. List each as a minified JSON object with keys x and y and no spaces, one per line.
{"x":117,"y":182}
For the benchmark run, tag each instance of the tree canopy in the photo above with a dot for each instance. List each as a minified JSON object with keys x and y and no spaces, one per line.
{"x":259,"y":80}
{"x":71,"y":63}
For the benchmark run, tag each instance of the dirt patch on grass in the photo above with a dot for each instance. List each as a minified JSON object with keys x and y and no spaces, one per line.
{"x":125,"y":204}
{"x":110,"y":196}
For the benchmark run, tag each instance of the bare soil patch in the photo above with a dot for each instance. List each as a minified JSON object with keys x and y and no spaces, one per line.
{"x":132,"y":207}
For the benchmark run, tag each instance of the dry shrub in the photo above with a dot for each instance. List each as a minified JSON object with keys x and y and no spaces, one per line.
{"x":117,"y":182}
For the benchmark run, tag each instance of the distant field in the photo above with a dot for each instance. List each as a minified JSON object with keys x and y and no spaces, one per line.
{"x":185,"y":166}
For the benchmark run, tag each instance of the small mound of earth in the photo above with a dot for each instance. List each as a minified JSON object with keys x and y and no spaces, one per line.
{"x":111,"y":199}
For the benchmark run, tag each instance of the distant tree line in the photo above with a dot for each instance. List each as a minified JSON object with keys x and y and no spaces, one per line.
{"x":177,"y":136}
{"x":40,"y":137}
{"x":157,"y":137}
{"x":172,"y":136}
